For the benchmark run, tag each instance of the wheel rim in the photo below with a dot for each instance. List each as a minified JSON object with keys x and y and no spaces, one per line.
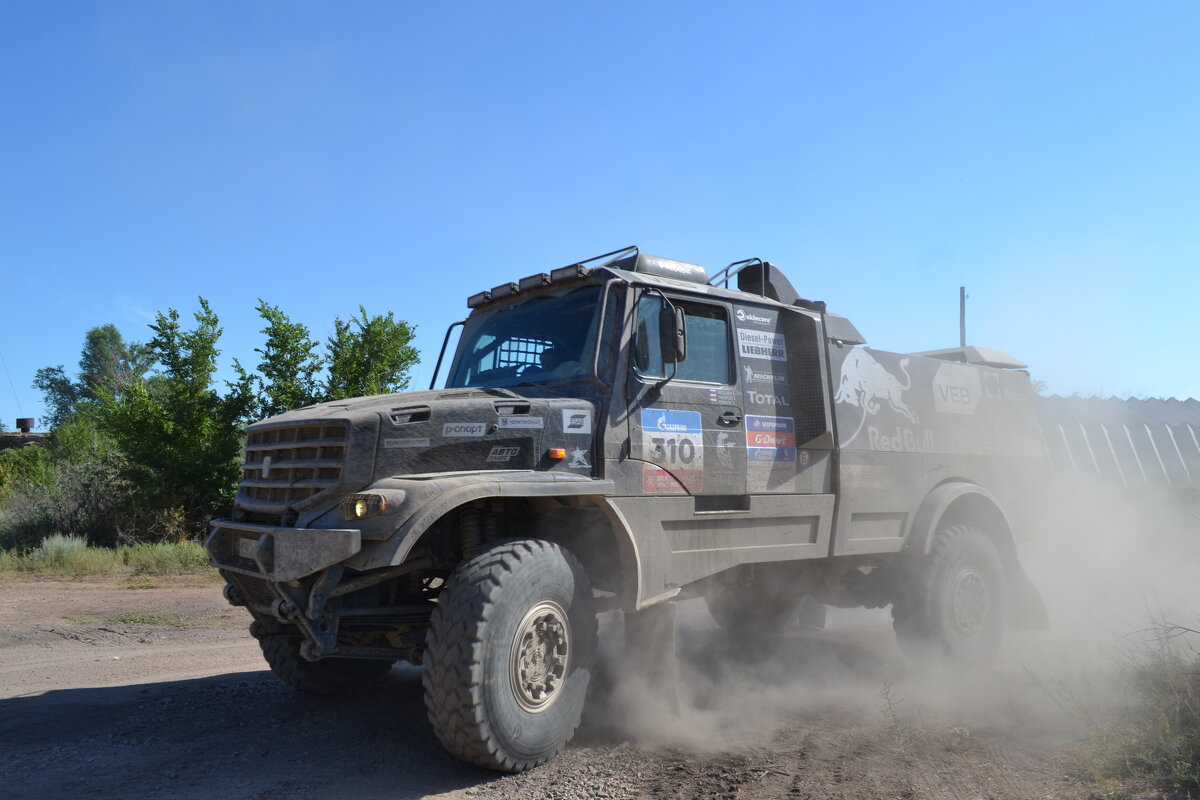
{"x":541,"y":655}
{"x":969,"y":603}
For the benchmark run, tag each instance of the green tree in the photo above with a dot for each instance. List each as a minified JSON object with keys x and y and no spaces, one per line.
{"x":60,"y":395}
{"x":369,"y":355}
{"x":108,"y":364}
{"x":180,"y":440}
{"x":288,"y":367}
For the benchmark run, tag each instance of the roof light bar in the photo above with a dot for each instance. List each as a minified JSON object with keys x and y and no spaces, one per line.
{"x":566,"y":273}
{"x":534,"y":281}
{"x":476,"y":300}
{"x":504,"y":290}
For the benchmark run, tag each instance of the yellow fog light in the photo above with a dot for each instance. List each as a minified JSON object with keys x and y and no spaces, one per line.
{"x":357,"y":506}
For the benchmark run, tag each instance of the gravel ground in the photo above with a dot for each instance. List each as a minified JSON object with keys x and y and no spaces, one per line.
{"x":109,"y":692}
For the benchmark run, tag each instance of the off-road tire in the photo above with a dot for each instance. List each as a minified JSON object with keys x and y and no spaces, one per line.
{"x":749,"y":612}
{"x":476,"y":706}
{"x":329,"y":676}
{"x":954,"y":603}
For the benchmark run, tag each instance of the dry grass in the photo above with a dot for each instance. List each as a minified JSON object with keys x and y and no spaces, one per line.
{"x":72,"y":557}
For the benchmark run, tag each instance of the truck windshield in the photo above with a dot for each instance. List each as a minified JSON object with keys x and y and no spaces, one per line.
{"x":544,"y":339}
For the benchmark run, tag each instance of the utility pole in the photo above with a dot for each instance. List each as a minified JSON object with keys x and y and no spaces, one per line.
{"x":962,"y":316}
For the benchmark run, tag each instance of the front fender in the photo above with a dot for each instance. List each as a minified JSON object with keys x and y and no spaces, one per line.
{"x":427,"y":498}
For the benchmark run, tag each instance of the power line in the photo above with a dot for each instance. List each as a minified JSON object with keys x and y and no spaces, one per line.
{"x":20,"y":410}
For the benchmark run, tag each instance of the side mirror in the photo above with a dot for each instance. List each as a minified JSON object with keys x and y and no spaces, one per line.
{"x":672,"y":333}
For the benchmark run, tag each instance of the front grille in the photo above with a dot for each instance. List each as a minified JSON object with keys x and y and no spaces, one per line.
{"x":257,"y":592}
{"x":286,"y":465}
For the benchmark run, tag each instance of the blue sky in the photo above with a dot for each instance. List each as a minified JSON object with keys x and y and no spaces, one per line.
{"x":403,"y":156}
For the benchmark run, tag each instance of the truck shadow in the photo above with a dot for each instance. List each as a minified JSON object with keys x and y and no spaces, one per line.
{"x":241,"y":735}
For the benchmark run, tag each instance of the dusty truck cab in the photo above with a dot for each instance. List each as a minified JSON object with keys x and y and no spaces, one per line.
{"x":621,"y":433}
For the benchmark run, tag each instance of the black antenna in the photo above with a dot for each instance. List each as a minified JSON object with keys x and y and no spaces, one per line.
{"x":962,"y":316}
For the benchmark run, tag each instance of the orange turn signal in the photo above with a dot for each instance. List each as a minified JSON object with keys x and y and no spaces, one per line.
{"x":557,"y":453}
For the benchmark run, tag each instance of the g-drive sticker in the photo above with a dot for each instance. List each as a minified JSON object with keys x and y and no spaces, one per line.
{"x":577,"y":420}
{"x":770,"y":438}
{"x":673,"y":440}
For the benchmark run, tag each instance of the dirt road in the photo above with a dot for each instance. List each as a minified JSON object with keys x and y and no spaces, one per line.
{"x":112,"y":692}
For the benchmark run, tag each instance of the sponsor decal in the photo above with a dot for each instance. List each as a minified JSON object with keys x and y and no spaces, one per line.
{"x":724,"y":449}
{"x":503,"y":453}
{"x":521,"y":422}
{"x":721,"y":395}
{"x":866,"y":384}
{"x":754,"y":376}
{"x":760,"y":399}
{"x":579,"y":459}
{"x":956,"y":389}
{"x":464,"y":429}
{"x":761,"y":345}
{"x":900,"y":440}
{"x":770,"y":438}
{"x":746,"y":315}
{"x":674,"y":440}
{"x":392,"y":443}
{"x":577,"y":420}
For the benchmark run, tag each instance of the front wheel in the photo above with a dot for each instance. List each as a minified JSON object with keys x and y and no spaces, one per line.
{"x":954,"y":605}
{"x":331,"y":676}
{"x":509,"y":655}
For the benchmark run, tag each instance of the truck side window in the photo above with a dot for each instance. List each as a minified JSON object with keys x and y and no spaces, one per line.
{"x":708,"y":342}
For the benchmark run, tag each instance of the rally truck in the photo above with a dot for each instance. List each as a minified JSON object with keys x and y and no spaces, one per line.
{"x":620,"y":434}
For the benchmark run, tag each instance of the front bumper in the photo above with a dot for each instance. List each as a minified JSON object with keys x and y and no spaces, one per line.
{"x":278,"y":554}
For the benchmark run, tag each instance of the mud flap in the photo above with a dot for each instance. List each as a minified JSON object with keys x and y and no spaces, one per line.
{"x":650,"y":650}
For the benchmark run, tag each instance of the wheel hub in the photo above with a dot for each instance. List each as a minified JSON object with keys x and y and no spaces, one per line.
{"x":970,"y":602}
{"x":541,"y":654}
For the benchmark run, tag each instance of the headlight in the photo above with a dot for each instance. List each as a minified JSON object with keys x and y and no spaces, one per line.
{"x":357,"y":506}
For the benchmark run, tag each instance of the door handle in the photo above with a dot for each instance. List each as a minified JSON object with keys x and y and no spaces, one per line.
{"x":729,"y":418}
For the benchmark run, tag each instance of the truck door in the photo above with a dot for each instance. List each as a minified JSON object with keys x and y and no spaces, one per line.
{"x":787,"y":432}
{"x":685,"y":422}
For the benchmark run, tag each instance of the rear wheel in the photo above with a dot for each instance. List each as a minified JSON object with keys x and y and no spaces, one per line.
{"x":331,"y":676}
{"x":955,"y":604}
{"x":509,"y":655}
{"x":746,"y":609}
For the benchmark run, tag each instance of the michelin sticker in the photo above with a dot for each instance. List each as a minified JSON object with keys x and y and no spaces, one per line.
{"x":674,"y":441}
{"x":577,"y":420}
{"x":521,"y":422}
{"x":754,"y":376}
{"x":464,"y":429}
{"x":770,"y":438}
{"x":391,"y":443}
{"x":761,"y":345}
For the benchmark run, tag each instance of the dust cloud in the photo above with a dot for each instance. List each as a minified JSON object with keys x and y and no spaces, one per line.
{"x":1111,"y":565}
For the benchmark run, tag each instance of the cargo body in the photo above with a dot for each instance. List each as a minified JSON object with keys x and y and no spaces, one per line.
{"x":622,"y":433}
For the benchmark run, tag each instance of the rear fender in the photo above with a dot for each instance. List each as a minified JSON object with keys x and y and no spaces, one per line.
{"x":963,"y":503}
